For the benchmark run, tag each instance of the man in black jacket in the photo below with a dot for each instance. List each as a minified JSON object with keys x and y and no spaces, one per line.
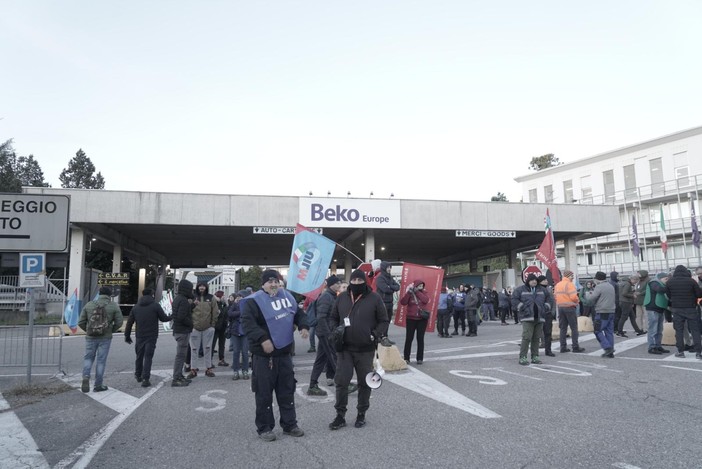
{"x":326,"y":355}
{"x":683,"y":293}
{"x":386,"y":286}
{"x":364,"y":319}
{"x":268,"y":318}
{"x":146,"y":314}
{"x":182,"y":327}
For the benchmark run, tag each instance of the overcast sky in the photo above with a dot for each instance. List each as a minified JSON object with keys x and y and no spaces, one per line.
{"x":424,"y":99}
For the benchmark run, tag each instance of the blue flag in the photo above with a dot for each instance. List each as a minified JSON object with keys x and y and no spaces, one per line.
{"x":309,"y":262}
{"x":71,"y":313}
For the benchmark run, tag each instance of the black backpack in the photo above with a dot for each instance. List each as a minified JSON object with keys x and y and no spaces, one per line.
{"x":97,"y":321}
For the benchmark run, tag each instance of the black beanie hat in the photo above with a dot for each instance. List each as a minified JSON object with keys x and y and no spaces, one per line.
{"x":332,"y":280}
{"x":600,"y":276}
{"x":105,"y":290}
{"x":531,"y":277}
{"x":269,"y":274}
{"x":358,"y":273}
{"x":541,"y":278}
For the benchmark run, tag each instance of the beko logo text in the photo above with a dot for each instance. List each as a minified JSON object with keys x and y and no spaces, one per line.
{"x":343,"y":214}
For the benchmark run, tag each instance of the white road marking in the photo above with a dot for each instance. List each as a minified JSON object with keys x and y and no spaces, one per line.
{"x":113,"y":398}
{"x":623,"y":346}
{"x":513,"y":373}
{"x":481,"y":379}
{"x":589,"y":365}
{"x":682,"y":368}
{"x":84,"y":454}
{"x":18,"y":448}
{"x":472,"y":355}
{"x":689,"y":358}
{"x":623,"y":465}
{"x":330,"y":397}
{"x":207,"y":398}
{"x":416,"y":381}
{"x":555,"y":368}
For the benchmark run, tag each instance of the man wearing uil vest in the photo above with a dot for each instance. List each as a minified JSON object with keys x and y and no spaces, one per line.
{"x":268,"y":318}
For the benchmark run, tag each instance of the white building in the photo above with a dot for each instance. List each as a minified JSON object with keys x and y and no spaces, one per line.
{"x":664,"y":172}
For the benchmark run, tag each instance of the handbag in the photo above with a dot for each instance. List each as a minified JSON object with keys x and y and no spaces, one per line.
{"x":423,"y":313}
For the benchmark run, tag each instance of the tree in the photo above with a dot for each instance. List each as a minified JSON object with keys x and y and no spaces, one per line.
{"x":251,"y":277}
{"x":80,"y":174}
{"x":500,"y":197}
{"x":544,"y":161}
{"x":16,"y":172}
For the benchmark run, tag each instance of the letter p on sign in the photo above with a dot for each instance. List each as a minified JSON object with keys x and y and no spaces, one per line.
{"x":32,"y":269}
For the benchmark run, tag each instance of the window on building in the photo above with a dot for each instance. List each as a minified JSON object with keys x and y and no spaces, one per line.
{"x":682,"y":170}
{"x":568,"y":191}
{"x":586,"y":189}
{"x":629,"y":181}
{"x":608,"y":181}
{"x":656,"y":167}
{"x":532,"y":196}
{"x":548,"y":194}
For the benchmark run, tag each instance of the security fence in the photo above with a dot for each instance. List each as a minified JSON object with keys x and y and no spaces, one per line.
{"x":28,"y":346}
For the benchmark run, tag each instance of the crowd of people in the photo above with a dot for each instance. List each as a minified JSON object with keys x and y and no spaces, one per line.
{"x":351,"y":320}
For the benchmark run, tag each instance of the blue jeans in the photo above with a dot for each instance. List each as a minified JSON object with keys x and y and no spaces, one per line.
{"x":100,"y":347}
{"x":604,"y":329}
{"x":241,"y":349}
{"x":655,"y":328}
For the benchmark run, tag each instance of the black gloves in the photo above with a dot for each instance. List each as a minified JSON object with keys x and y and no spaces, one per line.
{"x":127,"y":339}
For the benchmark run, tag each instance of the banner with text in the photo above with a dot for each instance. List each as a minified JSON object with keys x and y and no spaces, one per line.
{"x":309,"y":261}
{"x":432,"y":278}
{"x":351,"y":213}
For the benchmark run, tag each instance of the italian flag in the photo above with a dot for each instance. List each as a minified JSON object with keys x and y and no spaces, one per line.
{"x":664,"y":236}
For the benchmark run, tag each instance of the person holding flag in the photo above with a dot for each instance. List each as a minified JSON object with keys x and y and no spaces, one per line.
{"x":268,"y":318}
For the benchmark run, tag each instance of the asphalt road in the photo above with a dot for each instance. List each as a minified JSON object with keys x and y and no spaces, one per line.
{"x":470,"y":404}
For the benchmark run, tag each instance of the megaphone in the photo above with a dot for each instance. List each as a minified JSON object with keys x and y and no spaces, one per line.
{"x":374,"y":380}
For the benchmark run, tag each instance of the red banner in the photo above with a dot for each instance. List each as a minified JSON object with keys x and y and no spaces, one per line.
{"x":432,"y":278}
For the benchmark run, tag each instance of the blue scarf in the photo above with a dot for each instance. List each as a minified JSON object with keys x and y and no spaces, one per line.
{"x":279,"y":313}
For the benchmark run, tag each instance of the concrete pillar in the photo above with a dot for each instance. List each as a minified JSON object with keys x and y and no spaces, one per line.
{"x":142,"y":281}
{"x":514,"y":262}
{"x":571,"y":256}
{"x":370,"y":245}
{"x":116,"y":265}
{"x":348,"y":260}
{"x":76,"y":263}
{"x":160,"y":281}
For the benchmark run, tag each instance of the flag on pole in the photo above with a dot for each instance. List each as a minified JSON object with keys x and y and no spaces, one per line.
{"x":636,"y":249}
{"x":71,"y":313}
{"x":309,"y":261}
{"x":547,"y":250}
{"x":664,"y":236}
{"x":695,"y":229}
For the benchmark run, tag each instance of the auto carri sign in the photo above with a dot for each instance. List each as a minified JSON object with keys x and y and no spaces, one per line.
{"x":359,"y":213}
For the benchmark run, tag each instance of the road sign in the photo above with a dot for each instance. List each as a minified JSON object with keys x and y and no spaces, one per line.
{"x":110,"y":279}
{"x":34,"y":222}
{"x":485,"y":234}
{"x":229,"y":277}
{"x":32,"y":270}
{"x":280,"y":230}
{"x":531,"y":269}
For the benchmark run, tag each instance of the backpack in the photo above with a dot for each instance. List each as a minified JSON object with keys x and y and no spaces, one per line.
{"x":97,"y":321}
{"x":312,"y":314}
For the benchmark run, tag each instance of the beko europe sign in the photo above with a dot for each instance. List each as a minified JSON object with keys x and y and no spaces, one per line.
{"x":353,"y":213}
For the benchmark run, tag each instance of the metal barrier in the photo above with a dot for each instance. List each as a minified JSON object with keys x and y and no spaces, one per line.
{"x":28,"y":346}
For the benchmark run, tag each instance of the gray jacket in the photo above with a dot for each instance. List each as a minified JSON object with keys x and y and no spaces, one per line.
{"x":603,"y":297}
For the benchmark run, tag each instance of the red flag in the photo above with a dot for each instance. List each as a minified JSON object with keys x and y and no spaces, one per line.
{"x":547,"y":250}
{"x":432,"y":278}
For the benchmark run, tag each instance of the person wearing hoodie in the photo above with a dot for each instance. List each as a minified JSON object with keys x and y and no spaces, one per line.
{"x":416,"y":299}
{"x":656,"y":303}
{"x":444,"y":313}
{"x":684,"y":292}
{"x":386,"y":286}
{"x":146,"y":315}
{"x":614,"y":281}
{"x":240,"y":346}
{"x":639,"y":295}
{"x":548,"y":317}
{"x":182,"y":327}
{"x":360,"y":314}
{"x":205,"y":314}
{"x":531,"y":301}
{"x":603,"y":297}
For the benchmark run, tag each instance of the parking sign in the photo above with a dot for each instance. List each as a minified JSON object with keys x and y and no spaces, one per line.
{"x":32,"y":269}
